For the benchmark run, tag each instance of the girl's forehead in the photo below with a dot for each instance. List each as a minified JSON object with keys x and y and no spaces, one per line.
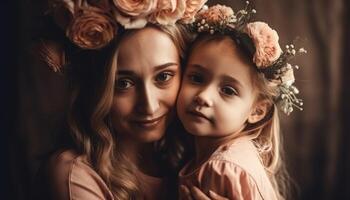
{"x":223,"y":52}
{"x":220,"y":59}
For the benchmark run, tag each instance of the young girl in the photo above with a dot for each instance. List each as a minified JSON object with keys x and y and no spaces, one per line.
{"x":235,"y":74}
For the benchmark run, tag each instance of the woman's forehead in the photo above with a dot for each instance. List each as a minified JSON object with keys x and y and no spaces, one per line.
{"x":147,"y":48}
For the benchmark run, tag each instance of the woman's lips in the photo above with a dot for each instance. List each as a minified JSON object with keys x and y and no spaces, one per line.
{"x":148,"y":123}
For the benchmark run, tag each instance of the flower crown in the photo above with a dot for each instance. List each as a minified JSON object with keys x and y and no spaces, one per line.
{"x":268,"y":57}
{"x":93,"y":24}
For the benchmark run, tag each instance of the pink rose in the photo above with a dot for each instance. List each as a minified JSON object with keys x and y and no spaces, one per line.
{"x":168,"y":12}
{"x":91,"y":28}
{"x":216,"y":14}
{"x":135,"y":8}
{"x":192,"y":7}
{"x":266,"y":43}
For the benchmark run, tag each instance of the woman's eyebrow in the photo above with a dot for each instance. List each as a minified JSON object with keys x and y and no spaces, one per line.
{"x":126,"y":72}
{"x":163,"y":66}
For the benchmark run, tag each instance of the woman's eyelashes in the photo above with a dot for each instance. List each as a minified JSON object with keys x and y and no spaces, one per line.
{"x":165,"y":77}
{"x":123,"y":84}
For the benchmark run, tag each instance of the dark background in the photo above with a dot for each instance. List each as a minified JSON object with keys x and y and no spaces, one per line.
{"x":317,"y":140}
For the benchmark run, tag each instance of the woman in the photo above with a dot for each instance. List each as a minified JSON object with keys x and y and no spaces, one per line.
{"x":121,"y":117}
{"x":116,"y":122}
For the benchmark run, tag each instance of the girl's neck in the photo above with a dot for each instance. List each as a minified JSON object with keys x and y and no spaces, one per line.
{"x":206,"y":146}
{"x":141,"y":155}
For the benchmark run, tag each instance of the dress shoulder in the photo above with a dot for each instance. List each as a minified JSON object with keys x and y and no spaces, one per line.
{"x":71,"y":177}
{"x":238,"y":170}
{"x":230,"y":180}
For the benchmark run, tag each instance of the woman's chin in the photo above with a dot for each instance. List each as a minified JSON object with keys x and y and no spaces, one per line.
{"x":148,"y":137}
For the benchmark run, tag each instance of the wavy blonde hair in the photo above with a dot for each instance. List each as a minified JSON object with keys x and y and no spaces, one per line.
{"x":265,"y":134}
{"x":89,"y":117}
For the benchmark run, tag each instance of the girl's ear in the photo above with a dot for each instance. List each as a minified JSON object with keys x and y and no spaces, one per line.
{"x":259,"y":111}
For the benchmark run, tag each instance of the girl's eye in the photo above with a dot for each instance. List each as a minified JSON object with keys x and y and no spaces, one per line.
{"x":164,"y":76}
{"x":196,"y":78}
{"x":124,"y":84}
{"x":229,"y":91}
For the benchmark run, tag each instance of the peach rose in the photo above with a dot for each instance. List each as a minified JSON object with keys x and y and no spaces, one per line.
{"x":216,"y":13}
{"x":266,"y":43}
{"x":168,"y":12}
{"x":192,"y":7}
{"x":135,"y":8}
{"x":62,"y":12}
{"x":91,"y":28}
{"x":129,"y":22}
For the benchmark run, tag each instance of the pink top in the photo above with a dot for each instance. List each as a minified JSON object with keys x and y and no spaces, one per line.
{"x":72,"y":177}
{"x":233,"y":171}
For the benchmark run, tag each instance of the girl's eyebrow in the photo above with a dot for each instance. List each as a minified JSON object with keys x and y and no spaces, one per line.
{"x":200,"y":67}
{"x":226,"y":78}
{"x":231,"y":79}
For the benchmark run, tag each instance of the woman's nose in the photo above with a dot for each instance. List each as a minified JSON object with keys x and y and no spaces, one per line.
{"x":148,"y":100}
{"x":205,"y":97}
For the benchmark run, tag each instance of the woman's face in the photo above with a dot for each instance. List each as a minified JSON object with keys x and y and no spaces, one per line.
{"x":147,"y":84}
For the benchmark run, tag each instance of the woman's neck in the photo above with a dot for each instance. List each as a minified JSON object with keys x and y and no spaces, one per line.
{"x":141,"y":155}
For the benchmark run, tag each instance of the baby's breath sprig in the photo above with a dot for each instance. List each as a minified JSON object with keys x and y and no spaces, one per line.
{"x":288,"y":98}
{"x":244,"y":16}
{"x":282,"y":64}
{"x":282,"y":71}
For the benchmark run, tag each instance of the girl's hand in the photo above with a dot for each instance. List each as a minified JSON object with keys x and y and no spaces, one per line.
{"x":196,"y":194}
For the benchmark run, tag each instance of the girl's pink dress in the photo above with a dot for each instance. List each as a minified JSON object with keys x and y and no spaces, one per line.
{"x":72,"y":178}
{"x":233,"y":171}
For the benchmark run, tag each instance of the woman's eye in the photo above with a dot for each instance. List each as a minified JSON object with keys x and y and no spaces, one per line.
{"x":229,"y":91}
{"x":123,"y":84}
{"x":164,"y":76}
{"x":196,"y":78}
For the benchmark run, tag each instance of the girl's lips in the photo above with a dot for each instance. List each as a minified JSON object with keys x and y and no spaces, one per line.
{"x":198,"y":114}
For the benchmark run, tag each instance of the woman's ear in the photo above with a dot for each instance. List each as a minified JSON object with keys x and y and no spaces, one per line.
{"x":259,"y":111}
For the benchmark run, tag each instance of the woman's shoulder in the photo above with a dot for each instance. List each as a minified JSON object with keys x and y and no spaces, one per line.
{"x":62,"y":161}
{"x":70,"y":176}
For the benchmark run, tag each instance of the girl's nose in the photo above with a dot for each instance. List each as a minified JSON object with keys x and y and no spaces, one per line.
{"x":205,"y":97}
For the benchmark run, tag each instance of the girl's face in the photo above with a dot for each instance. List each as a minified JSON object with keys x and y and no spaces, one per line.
{"x":147,"y":84}
{"x":217,"y":95}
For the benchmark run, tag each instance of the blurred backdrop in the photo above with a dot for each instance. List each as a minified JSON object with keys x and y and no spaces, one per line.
{"x":317,"y":140}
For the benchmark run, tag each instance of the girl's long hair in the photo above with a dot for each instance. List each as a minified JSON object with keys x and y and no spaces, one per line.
{"x":92,"y":85}
{"x":266,"y":133}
